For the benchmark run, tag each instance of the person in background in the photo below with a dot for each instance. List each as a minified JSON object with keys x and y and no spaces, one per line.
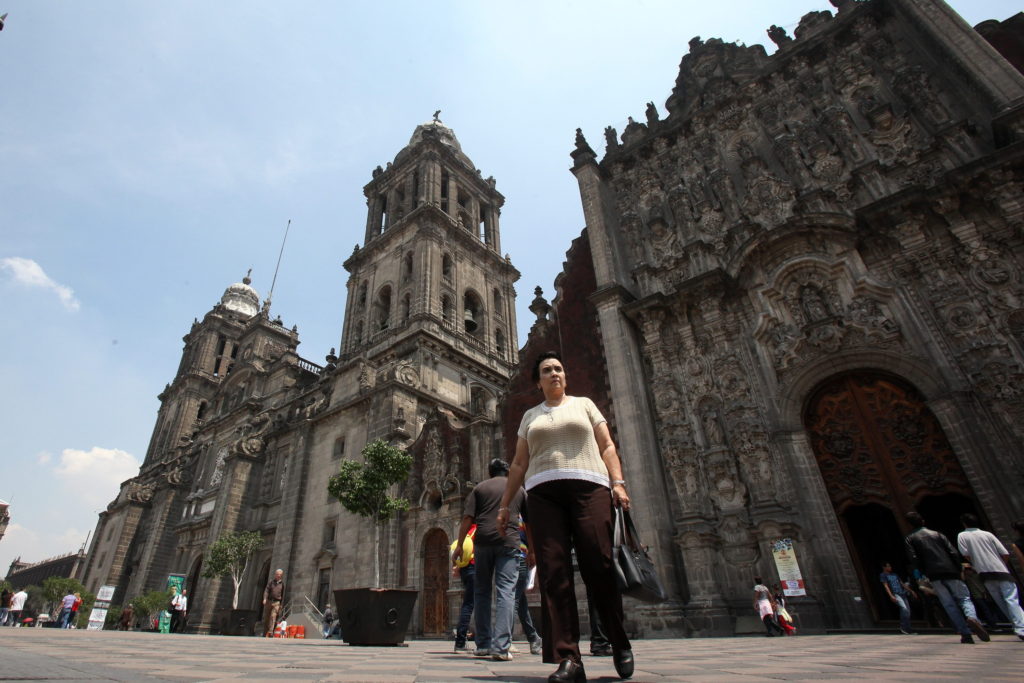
{"x":74,"y":610}
{"x":65,"y":610}
{"x":898,"y":591}
{"x":782,"y":617}
{"x":466,"y":569}
{"x":179,"y":611}
{"x":1017,"y":547}
{"x":931,"y":554}
{"x":765,"y":610}
{"x":5,"y":606}
{"x":567,"y":459}
{"x":992,"y":561}
{"x":496,"y":553}
{"x":16,"y":605}
{"x":327,"y":622}
{"x":526,"y":561}
{"x":127,"y":616}
{"x":273,"y":594}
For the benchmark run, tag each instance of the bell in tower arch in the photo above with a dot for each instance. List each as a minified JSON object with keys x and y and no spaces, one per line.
{"x":469,"y":320}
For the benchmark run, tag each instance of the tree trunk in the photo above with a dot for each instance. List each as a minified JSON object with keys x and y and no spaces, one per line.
{"x":376,"y":554}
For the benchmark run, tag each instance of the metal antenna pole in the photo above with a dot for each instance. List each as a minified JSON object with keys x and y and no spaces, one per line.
{"x":273,"y":282}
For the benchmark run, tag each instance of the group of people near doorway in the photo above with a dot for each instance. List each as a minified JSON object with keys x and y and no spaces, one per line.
{"x":554,"y":502}
{"x":939,"y":570}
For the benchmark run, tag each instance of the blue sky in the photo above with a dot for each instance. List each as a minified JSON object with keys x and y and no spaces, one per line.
{"x":152,"y":152}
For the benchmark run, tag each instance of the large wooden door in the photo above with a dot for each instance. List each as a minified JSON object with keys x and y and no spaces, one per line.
{"x":435,"y":583}
{"x":882,"y":453}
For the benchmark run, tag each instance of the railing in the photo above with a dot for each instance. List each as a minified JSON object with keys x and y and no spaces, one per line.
{"x":309,"y":366}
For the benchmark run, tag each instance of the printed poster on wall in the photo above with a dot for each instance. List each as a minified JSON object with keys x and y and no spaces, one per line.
{"x":789,"y":570}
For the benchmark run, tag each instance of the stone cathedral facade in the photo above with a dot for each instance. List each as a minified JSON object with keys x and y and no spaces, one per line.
{"x":798,"y":298}
{"x":249,"y":432}
{"x":806,"y":281}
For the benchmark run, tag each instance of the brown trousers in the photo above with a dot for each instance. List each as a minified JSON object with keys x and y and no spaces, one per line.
{"x":271,"y":610}
{"x":564,"y":514}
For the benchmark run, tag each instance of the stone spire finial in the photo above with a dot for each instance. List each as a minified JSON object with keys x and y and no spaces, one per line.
{"x":583,"y":152}
{"x":539,"y":306}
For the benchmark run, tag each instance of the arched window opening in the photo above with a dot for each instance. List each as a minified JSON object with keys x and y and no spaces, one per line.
{"x":499,"y":342}
{"x":498,"y":307}
{"x":446,"y":267}
{"x":472,"y":314}
{"x":481,"y":224}
{"x":382,"y":312}
{"x":218,"y":362}
{"x":446,"y":308}
{"x":362,"y":294}
{"x":382,"y":202}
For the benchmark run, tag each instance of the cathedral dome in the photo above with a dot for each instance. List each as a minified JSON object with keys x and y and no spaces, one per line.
{"x":436,"y":130}
{"x":241,"y":298}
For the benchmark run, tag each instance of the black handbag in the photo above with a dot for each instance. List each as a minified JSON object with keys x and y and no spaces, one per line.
{"x":634,"y":570}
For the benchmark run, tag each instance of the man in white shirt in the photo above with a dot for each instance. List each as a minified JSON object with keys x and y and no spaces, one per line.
{"x":992,"y":562}
{"x":17,"y":605}
{"x":179,"y":604}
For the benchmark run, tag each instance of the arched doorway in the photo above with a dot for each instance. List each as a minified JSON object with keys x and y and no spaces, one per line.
{"x":435,"y":583}
{"x":882,"y":453}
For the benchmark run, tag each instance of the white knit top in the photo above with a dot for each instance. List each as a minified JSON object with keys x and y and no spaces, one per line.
{"x":562,"y":443}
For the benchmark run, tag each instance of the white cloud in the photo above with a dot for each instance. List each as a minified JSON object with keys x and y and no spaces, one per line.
{"x":96,"y":475}
{"x":30,"y":274}
{"x":43,"y":458}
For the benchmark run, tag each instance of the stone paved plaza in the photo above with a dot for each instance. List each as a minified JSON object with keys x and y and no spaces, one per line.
{"x":46,"y":654}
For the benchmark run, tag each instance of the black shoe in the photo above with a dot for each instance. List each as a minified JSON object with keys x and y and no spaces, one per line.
{"x":568,"y":672}
{"x":601,"y":651}
{"x":966,"y":639}
{"x":978,"y":629}
{"x":623,"y":663}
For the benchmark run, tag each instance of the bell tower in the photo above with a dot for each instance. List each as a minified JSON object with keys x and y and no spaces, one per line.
{"x":429,"y":288}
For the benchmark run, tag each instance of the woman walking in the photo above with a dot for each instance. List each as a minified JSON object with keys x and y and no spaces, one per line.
{"x":570,"y":468}
{"x":763,"y":606}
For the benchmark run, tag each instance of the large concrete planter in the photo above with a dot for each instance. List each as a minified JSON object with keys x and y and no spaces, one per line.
{"x":374,"y":616}
{"x":238,"y":622}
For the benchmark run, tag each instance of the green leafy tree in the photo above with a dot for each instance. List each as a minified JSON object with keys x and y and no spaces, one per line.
{"x":35,"y":603}
{"x":362,"y":488}
{"x":151,"y":603}
{"x":230,"y":555}
{"x":113,"y":617}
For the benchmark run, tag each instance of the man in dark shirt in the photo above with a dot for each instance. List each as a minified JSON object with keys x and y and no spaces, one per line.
{"x":496,"y":554}
{"x":273,"y":594}
{"x":930,"y":553}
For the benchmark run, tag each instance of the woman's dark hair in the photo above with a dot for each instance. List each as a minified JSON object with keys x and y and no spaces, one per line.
{"x":540,"y":359}
{"x":757,"y":579}
{"x":969,"y":520}
{"x":498,"y":468}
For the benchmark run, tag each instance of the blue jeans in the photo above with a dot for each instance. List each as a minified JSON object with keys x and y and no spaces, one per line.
{"x":956,"y":600}
{"x":466,"y":575}
{"x":522,"y":604}
{"x":901,"y":602}
{"x":1005,"y":595}
{"x":498,"y":564}
{"x":65,"y":617}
